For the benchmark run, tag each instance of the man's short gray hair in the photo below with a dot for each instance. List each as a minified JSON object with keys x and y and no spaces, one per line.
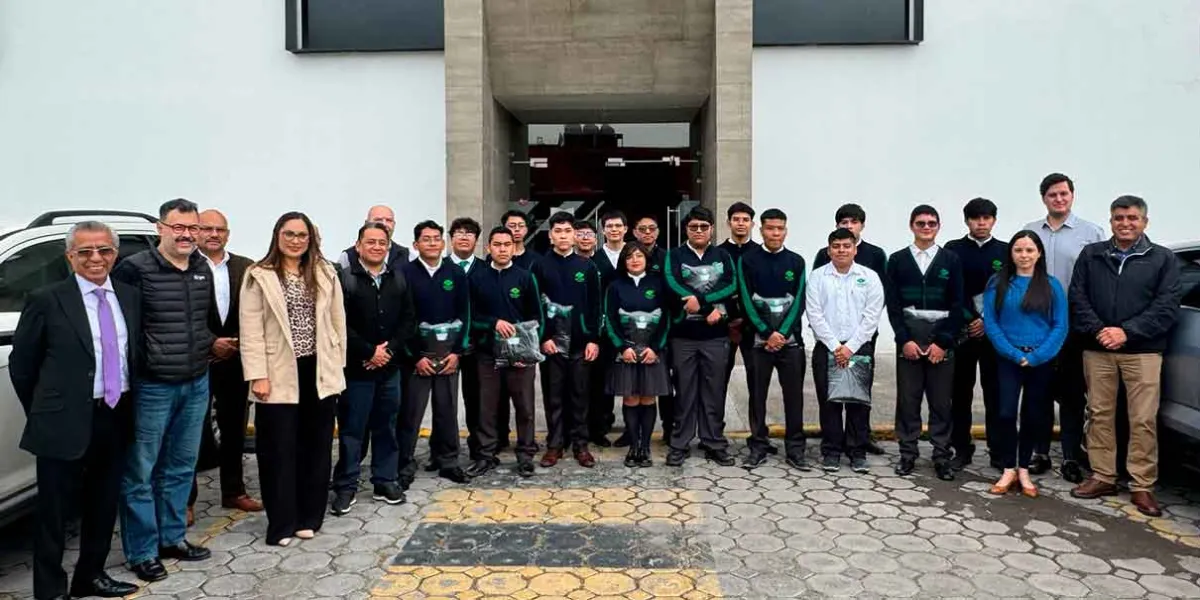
{"x":91,"y":226}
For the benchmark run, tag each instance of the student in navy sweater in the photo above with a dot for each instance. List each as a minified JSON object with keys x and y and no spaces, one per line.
{"x":440,"y":292}
{"x":503,"y":295}
{"x":568,"y":282}
{"x":600,"y":409}
{"x":518,"y":223}
{"x":702,"y":278}
{"x":982,"y":256}
{"x":646,"y":232}
{"x":852,"y":217}
{"x":1025,"y":315}
{"x":923,"y":278}
{"x":464,"y":239}
{"x":639,"y":374}
{"x":768,"y":275}
{"x":741,"y":335}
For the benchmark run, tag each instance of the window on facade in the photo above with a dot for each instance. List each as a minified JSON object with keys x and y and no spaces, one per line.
{"x":364,"y":25}
{"x":833,"y":22}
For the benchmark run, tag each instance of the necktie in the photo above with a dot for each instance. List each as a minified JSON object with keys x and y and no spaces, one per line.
{"x":463,"y":264}
{"x":111,"y":353}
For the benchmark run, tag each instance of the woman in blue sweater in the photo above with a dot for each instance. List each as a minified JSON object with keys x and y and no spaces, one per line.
{"x":636,"y":323}
{"x":1025,"y":317}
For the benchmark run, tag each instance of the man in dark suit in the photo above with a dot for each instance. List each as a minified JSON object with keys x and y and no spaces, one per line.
{"x":70,"y":367}
{"x":230,"y":391}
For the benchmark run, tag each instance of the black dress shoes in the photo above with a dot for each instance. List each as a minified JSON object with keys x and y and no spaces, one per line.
{"x":1040,"y":464}
{"x":623,"y":441}
{"x":456,"y":474}
{"x":104,"y":587}
{"x":720,"y":457}
{"x":873,"y":448}
{"x":944,"y":471}
{"x":906,"y":467}
{"x":480,"y":467}
{"x":1071,"y":472}
{"x":185,"y":551}
{"x":149,"y":570}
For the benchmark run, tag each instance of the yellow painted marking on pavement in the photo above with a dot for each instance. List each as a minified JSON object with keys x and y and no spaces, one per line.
{"x":607,"y":506}
{"x":528,"y":583}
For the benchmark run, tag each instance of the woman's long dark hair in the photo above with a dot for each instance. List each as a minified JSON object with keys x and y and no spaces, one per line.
{"x":309,"y":261}
{"x":630,"y":248}
{"x":1039,"y":297}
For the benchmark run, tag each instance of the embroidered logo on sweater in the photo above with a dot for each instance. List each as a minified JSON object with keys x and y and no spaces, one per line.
{"x":649,"y":294}
{"x":997,"y":265}
{"x":789,"y":275}
{"x":579,"y":276}
{"x":514,"y":293}
{"x":944,"y":274}
{"x":448,"y":284}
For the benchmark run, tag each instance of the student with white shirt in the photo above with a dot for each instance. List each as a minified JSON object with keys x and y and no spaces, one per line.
{"x":845,"y":302}
{"x":464,"y":239}
{"x":925,"y":306}
{"x":601,"y":414}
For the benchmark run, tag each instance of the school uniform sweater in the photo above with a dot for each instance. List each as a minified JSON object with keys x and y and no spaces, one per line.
{"x":721,"y":292}
{"x":772,"y":275}
{"x":869,"y":255}
{"x":439,"y":298}
{"x":940,"y":288}
{"x":644,"y":296}
{"x":1013,"y":328}
{"x":736,"y":252}
{"x":656,"y":260}
{"x":509,"y":294}
{"x":572,"y":280}
{"x":979,"y":263}
{"x":606,"y":268}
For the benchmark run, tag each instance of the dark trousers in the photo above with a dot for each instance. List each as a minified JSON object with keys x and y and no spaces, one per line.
{"x":746,"y":346}
{"x":230,"y":399}
{"x":1013,"y":448}
{"x":294,"y":446}
{"x":837,"y":435}
{"x":700,"y":400}
{"x":601,"y":408}
{"x":469,"y":367}
{"x":368,"y":406}
{"x":790,"y":363}
{"x":969,"y":354}
{"x":443,"y":441}
{"x":1068,"y":388}
{"x":89,"y":486}
{"x":565,"y":394}
{"x":496,"y":387}
{"x":917,"y":380}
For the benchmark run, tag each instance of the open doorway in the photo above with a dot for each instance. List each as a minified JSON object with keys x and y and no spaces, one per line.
{"x":641,"y":169}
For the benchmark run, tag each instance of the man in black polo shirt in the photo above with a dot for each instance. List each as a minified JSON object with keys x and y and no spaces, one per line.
{"x":503,"y":296}
{"x":702,"y":277}
{"x":925,"y":303}
{"x":570,"y":287}
{"x":981,"y":256}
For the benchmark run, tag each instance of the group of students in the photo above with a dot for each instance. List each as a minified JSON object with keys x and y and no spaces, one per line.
{"x":370,"y":340}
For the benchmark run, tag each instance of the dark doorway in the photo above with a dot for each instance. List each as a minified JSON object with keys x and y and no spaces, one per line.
{"x":640,"y":169}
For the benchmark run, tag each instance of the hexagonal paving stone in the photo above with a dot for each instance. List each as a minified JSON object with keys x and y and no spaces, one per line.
{"x":1110,"y":586}
{"x":230,"y":585}
{"x":500,"y":583}
{"x":946,"y":585}
{"x":305,"y":562}
{"x":609,"y":584}
{"x":1058,"y":585}
{"x":1143,"y":566}
{"x":871,"y":562}
{"x":777,"y":585}
{"x":890,"y":585}
{"x":1172,"y":587}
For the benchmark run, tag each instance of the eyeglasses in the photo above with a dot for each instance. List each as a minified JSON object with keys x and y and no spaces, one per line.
{"x":586,"y":236}
{"x":462,"y":234}
{"x":647,"y":228}
{"x":926,"y":224}
{"x":516,"y":226}
{"x":214,"y":230}
{"x":429,"y":240}
{"x":300,"y":236}
{"x":615,"y":226}
{"x":103,"y":251}
{"x":699,"y":227}
{"x":372,"y":243}
{"x":179,"y":229}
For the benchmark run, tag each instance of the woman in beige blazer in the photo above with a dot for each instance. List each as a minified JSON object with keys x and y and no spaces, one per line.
{"x":293,"y":347}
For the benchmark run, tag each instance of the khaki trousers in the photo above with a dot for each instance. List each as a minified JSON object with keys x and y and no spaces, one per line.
{"x":1104,"y":372}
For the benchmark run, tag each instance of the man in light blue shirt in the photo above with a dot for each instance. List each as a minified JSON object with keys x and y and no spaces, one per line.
{"x":1064,"y":235}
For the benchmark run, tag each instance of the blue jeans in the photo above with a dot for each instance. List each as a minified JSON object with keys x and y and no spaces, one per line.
{"x":161,"y":463}
{"x":1015,"y":447}
{"x":367,"y":405}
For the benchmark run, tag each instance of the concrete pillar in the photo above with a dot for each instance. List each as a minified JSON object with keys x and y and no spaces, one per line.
{"x":727,"y":150}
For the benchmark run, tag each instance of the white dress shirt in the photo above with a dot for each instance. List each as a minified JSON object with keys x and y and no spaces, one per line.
{"x":220,"y":272}
{"x":433,"y":269}
{"x":844,"y":306}
{"x":92,"y":305}
{"x":924,"y":257}
{"x":699,"y":253}
{"x":470,"y":260}
{"x":613,"y":255}
{"x":637,"y":279}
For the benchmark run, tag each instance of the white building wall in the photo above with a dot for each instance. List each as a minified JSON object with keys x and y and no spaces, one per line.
{"x":1001,"y":93}
{"x":126,"y":103}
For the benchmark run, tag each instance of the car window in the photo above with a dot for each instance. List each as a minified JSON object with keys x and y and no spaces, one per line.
{"x":1189,"y":277}
{"x":44,"y":263}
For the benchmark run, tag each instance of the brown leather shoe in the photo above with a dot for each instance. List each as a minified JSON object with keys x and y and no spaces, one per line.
{"x":1145,"y":503}
{"x":585,"y":459}
{"x":191,"y":516}
{"x":243,"y":503}
{"x":1094,"y":488}
{"x":551,"y":457}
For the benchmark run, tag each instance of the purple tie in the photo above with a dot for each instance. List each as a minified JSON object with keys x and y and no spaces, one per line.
{"x":109,"y":349}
